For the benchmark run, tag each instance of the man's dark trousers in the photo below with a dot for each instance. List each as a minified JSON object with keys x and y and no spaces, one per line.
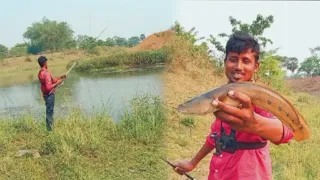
{"x":49,"y":99}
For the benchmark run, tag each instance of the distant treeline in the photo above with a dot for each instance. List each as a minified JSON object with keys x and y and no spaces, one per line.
{"x":53,"y":36}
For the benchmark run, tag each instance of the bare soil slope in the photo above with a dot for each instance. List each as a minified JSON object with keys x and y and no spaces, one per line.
{"x":309,"y":85}
{"x":154,"y":41}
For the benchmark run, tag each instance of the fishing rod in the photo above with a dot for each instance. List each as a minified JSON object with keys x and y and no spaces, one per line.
{"x":172,"y":165}
{"x":65,"y":74}
{"x":71,"y":68}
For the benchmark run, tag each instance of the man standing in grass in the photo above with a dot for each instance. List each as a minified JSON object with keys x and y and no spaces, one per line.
{"x":48,"y":85}
{"x":240,"y":135}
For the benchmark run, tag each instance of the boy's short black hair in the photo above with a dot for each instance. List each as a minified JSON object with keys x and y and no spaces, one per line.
{"x":42,"y":60}
{"x":242,"y":41}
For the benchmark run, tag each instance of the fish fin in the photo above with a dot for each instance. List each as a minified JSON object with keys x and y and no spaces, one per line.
{"x":298,"y":115}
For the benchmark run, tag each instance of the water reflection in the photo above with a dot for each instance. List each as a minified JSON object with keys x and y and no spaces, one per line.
{"x":89,"y":91}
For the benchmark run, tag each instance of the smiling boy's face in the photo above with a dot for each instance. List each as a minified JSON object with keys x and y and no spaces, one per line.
{"x":241,"y":67}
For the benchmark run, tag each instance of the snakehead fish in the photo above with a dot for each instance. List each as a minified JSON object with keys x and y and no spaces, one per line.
{"x":261,"y":96}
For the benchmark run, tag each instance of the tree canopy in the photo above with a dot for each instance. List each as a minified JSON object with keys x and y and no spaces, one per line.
{"x":311,"y":65}
{"x":256,"y":29}
{"x":49,"y":35}
{"x":3,"y":50}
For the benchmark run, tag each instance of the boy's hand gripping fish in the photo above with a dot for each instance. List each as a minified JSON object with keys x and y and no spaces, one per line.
{"x":261,"y":96}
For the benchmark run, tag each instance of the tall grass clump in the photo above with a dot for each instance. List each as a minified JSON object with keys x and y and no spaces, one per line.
{"x":144,"y":120}
{"x":124,"y":59}
{"x":271,"y":74}
{"x":187,"y":56}
{"x":86,"y":146}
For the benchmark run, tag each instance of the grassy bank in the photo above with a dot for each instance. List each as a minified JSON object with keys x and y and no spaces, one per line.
{"x":300,"y":160}
{"x":190,"y":73}
{"x":24,"y":69}
{"x":88,"y":147}
{"x":20,"y":70}
{"x":124,"y":61}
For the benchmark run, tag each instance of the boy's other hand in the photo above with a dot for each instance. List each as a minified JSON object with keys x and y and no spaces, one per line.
{"x":183,"y":166}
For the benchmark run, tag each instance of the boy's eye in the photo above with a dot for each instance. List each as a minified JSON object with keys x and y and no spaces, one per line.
{"x":246,"y":61}
{"x":233,"y":59}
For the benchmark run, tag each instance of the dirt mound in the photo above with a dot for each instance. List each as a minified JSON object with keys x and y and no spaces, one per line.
{"x":154,"y":41}
{"x":309,"y":85}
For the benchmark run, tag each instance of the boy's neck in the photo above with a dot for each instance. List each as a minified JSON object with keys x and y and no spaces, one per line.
{"x":252,"y":80}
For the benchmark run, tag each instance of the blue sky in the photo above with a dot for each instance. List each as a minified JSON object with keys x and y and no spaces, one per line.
{"x":123,"y":18}
{"x":295,"y":29}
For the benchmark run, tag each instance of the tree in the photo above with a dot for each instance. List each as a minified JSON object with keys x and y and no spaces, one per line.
{"x":190,"y":35}
{"x":282,"y":59}
{"x":80,"y":39}
{"x":256,"y":29}
{"x":291,"y":64}
{"x":71,"y":44}
{"x":135,"y":40}
{"x":34,"y":48}
{"x":101,"y":42}
{"x":110,"y":42}
{"x":49,"y":35}
{"x":3,"y":50}
{"x":19,"y":49}
{"x":142,"y":37}
{"x":270,"y":71}
{"x":308,"y":65}
{"x":119,"y":41}
{"x":87,"y":43}
{"x":271,"y":67}
{"x":315,"y":51}
{"x":311,"y":65}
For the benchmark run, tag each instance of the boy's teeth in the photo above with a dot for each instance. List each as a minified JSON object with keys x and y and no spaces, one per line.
{"x":237,"y":74}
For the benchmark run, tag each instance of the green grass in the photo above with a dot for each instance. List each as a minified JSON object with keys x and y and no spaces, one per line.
{"x":24,"y":69}
{"x":121,"y":61}
{"x":87,"y":147}
{"x":145,"y":122}
{"x":300,"y":160}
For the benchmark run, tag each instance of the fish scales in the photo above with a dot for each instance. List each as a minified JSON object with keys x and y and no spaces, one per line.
{"x":261,"y":96}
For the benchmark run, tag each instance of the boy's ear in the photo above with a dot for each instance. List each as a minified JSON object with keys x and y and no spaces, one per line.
{"x":257,"y":65}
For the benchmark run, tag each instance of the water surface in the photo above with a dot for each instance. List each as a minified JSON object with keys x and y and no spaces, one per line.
{"x":90,"y":92}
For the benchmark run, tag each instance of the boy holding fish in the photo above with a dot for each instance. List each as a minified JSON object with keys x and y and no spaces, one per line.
{"x":240,"y":134}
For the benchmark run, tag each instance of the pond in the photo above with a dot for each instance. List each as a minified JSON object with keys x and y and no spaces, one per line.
{"x":90,"y":92}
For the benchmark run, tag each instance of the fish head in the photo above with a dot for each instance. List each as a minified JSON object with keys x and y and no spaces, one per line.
{"x":198,"y":105}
